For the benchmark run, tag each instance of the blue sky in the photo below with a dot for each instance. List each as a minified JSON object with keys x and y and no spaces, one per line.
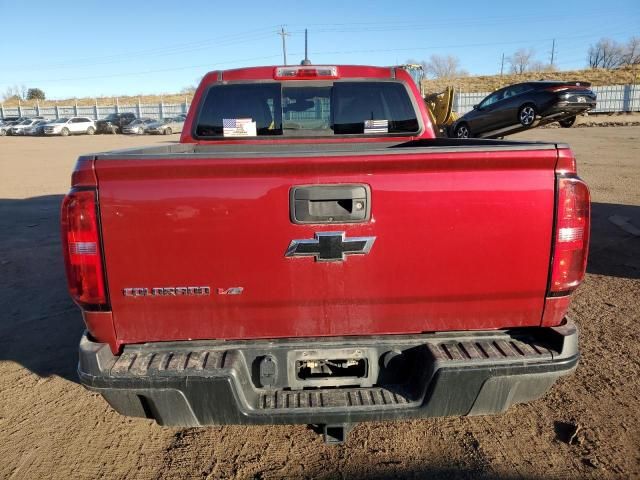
{"x":92,"y":48}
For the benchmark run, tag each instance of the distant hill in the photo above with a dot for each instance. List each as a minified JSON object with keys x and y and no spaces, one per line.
{"x":489,"y":83}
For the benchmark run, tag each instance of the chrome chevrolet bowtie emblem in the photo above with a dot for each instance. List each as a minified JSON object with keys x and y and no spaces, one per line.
{"x":330,"y":247}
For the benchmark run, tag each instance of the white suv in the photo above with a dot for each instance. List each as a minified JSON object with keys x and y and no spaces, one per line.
{"x":69,"y":126}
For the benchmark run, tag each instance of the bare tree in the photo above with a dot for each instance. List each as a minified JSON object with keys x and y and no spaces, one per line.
{"x":521,"y":60}
{"x":606,"y":53}
{"x":631,"y":54}
{"x":17,"y":92}
{"x":539,"y":67}
{"x":441,"y":66}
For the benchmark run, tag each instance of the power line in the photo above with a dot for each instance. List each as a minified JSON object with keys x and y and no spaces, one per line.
{"x":226,"y":40}
{"x":393,"y":26}
{"x":338,"y":52}
{"x":469,"y":45}
{"x":210,"y":66}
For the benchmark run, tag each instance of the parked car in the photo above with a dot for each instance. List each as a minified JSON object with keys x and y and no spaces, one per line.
{"x":138,"y":126}
{"x":4,"y":127}
{"x":311,"y":253}
{"x":37,"y":129}
{"x":166,"y":126}
{"x":8,"y":123}
{"x":70,"y":126}
{"x":115,"y":122}
{"x":7,"y":120}
{"x":19,"y":128}
{"x":524,"y":105}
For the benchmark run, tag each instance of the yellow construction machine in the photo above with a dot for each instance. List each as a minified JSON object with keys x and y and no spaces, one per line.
{"x":440,"y":104}
{"x":441,"y":107}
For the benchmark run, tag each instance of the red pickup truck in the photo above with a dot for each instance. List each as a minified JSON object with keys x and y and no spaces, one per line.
{"x":311,"y":253}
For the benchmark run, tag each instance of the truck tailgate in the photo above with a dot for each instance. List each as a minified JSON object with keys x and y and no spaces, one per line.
{"x":462,"y":241}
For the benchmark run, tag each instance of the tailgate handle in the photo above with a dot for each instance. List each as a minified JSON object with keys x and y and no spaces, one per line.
{"x":330,"y":204}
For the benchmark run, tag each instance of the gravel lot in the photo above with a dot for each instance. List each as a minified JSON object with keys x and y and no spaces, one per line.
{"x":588,"y":426}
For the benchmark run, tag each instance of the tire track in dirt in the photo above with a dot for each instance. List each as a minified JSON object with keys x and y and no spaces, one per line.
{"x":374,"y":451}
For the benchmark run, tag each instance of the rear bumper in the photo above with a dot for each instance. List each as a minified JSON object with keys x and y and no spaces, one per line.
{"x":457,"y":373}
{"x":105,"y":128}
{"x":574,"y":108}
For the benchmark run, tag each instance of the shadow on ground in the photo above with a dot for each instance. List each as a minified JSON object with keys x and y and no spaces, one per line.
{"x":40,"y":325}
{"x":613,"y":251}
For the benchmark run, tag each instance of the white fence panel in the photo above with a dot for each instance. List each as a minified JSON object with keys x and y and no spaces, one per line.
{"x":178,"y":109}
{"x":464,"y":102}
{"x":95,"y":112}
{"x":104,"y":111}
{"x":150,"y":110}
{"x":87,"y":112}
{"x":66,"y":112}
{"x":610,"y":98}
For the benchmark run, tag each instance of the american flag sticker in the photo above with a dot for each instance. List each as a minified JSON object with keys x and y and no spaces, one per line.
{"x":376,"y":126}
{"x":238,"y":127}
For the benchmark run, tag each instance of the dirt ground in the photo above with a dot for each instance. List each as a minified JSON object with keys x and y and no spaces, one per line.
{"x":587,"y":426}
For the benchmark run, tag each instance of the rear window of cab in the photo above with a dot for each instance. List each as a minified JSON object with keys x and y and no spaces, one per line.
{"x":306,"y":109}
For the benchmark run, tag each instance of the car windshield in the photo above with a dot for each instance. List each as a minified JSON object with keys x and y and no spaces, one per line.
{"x":312,"y":109}
{"x":136,"y":122}
{"x":61,"y":120}
{"x":25,"y":122}
{"x":112,"y":116}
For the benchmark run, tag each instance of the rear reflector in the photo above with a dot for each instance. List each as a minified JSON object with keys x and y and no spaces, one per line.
{"x":305,"y":73}
{"x":571,"y":242}
{"x":81,"y":245}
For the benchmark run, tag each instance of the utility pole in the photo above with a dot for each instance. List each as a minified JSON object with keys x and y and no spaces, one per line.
{"x":502,"y":64}
{"x":284,"y":34}
{"x":553,"y":52}
{"x":306,"y":60}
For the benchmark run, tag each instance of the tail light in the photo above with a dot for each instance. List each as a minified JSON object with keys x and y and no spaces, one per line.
{"x":582,"y":86}
{"x":559,"y":88}
{"x":305,"y":73}
{"x":81,"y":245}
{"x":571,"y":242}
